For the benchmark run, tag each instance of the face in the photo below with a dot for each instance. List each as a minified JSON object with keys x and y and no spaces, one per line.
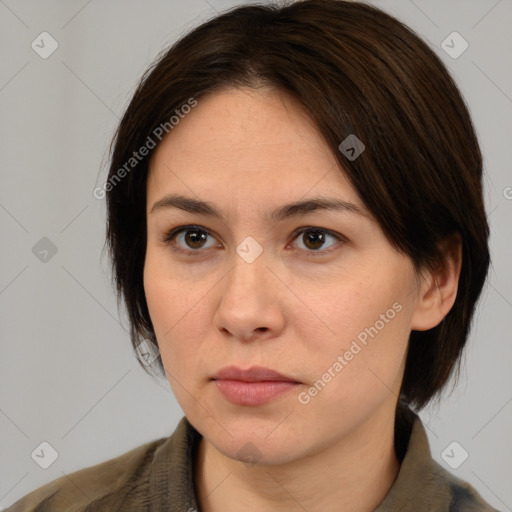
{"x":316,"y":294}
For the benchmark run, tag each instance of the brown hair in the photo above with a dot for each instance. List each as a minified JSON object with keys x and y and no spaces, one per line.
{"x":357,"y":70}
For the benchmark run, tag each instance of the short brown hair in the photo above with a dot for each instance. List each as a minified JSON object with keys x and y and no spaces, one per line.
{"x":357,"y":70}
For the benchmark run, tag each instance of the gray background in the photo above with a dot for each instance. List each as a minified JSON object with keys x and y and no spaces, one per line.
{"x":67,"y":372}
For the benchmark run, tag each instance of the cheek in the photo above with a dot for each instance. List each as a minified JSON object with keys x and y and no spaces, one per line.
{"x":367,"y":337}
{"x":178,"y":313}
{"x":171,"y":309}
{"x":351,"y":380}
{"x":345,"y":305}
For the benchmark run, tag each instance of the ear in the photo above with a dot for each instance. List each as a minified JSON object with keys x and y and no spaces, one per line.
{"x":438,"y":288}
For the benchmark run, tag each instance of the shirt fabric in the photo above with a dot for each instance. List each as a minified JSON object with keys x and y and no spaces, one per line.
{"x":159,"y":477}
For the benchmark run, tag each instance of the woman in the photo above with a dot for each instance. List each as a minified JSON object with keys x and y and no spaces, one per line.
{"x":296,"y":225}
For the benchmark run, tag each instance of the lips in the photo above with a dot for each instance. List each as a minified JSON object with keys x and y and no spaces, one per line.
{"x":255,"y":386}
{"x":253,"y":374}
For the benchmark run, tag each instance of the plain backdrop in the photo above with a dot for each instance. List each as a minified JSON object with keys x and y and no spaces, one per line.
{"x":68,"y":376}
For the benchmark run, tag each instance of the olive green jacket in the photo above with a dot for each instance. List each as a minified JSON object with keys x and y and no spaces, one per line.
{"x":159,"y":476}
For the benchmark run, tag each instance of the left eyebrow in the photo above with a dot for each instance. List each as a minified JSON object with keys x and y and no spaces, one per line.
{"x":315,"y":204}
{"x":286,"y":211}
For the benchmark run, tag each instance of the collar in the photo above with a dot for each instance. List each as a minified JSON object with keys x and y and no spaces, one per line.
{"x":421,"y":483}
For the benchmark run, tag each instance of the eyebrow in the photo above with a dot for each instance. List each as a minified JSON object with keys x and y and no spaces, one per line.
{"x":279,"y":214}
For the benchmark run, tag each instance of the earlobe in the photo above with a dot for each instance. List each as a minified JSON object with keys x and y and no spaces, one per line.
{"x":438,"y":288}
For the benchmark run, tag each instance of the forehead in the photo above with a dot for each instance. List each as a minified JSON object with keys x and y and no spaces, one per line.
{"x":254,"y":145}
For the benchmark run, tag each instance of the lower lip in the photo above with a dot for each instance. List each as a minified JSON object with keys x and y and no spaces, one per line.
{"x":253,"y":393}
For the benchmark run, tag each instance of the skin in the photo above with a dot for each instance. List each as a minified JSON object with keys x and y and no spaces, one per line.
{"x":248,"y":152}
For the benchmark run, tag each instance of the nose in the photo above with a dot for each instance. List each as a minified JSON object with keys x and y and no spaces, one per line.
{"x":251,"y":302}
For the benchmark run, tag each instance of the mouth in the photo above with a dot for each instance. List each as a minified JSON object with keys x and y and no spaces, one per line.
{"x":254,"y":386}
{"x":253,"y":374}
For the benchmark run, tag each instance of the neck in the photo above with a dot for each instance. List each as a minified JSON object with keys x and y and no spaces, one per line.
{"x":354,"y":474}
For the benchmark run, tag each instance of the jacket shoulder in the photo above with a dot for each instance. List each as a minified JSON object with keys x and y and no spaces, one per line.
{"x":75,"y":491}
{"x":463,"y":496}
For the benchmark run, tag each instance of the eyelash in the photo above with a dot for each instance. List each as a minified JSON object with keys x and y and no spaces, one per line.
{"x":168,"y":238}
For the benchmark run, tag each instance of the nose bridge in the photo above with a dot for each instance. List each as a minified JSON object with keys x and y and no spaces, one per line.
{"x":249,"y":266}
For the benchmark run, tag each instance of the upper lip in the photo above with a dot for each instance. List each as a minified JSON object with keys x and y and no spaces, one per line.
{"x":252,"y":374}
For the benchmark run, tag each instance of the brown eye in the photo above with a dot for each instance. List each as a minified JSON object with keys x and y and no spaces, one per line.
{"x":190,"y":238}
{"x":195,"y":238}
{"x":313,"y":240}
